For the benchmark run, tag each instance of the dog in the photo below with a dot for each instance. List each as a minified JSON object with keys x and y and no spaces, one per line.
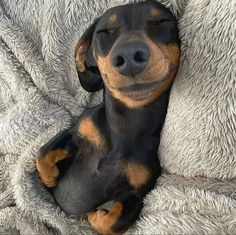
{"x":132,"y":52}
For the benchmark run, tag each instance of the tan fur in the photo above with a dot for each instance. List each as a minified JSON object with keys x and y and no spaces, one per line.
{"x":80,"y":54}
{"x":88,"y":130}
{"x":154,"y":12}
{"x":113,"y":18}
{"x":172,"y":52}
{"x":102,"y":221}
{"x":163,"y":64}
{"x":47,"y":168}
{"x":137,"y":175}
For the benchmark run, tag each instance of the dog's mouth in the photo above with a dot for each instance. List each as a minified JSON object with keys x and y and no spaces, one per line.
{"x":140,"y":91}
{"x":138,"y":87}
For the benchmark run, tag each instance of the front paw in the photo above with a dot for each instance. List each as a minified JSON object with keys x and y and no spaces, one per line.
{"x":48,"y":172}
{"x":100,"y":222}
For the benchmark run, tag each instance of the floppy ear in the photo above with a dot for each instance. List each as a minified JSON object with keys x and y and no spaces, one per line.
{"x":89,"y":74}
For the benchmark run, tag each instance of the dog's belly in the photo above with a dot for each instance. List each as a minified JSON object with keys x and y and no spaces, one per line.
{"x":82,"y":187}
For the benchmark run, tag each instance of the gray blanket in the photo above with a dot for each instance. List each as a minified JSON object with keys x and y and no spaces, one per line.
{"x":40,"y":95}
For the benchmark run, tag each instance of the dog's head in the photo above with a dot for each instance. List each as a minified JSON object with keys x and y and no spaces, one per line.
{"x":133,"y":50}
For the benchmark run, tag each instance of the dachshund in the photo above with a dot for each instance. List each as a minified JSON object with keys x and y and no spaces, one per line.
{"x":132,"y":52}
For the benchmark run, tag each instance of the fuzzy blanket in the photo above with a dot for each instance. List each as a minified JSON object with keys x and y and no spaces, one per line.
{"x":40,"y":95}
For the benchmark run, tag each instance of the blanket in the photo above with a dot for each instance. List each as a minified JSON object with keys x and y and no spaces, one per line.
{"x":40,"y":95}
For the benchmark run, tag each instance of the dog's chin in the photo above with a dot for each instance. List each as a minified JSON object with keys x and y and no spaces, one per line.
{"x":140,"y":92}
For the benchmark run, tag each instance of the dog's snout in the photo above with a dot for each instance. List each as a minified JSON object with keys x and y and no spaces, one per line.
{"x":130,"y":59}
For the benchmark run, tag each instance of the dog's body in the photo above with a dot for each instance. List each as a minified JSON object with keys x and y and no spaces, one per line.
{"x":111,"y":153}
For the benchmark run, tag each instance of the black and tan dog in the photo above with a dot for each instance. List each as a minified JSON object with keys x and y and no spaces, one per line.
{"x":111,"y":154}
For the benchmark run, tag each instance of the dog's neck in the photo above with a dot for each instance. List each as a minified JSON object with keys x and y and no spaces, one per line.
{"x":130,"y":122}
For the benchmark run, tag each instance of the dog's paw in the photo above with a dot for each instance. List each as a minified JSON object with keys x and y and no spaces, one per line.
{"x":102,"y":220}
{"x":48,"y":172}
{"x":99,"y":221}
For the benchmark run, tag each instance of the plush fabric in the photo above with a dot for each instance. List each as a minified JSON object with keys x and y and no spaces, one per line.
{"x":40,"y":95}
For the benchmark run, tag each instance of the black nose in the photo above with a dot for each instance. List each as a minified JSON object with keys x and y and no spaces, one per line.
{"x":130,"y":58}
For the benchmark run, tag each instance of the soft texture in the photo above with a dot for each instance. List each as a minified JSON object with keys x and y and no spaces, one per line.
{"x":40,"y":95}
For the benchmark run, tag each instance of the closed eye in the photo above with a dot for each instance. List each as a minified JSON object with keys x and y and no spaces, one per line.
{"x":106,"y":31}
{"x":159,"y":21}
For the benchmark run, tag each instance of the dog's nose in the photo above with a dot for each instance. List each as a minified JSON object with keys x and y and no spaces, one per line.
{"x":130,"y":59}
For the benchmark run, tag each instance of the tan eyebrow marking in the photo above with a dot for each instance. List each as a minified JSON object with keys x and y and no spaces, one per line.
{"x":113,"y":18}
{"x":154,"y":12}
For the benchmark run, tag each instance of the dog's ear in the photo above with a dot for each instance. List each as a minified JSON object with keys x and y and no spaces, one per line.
{"x":89,"y":74}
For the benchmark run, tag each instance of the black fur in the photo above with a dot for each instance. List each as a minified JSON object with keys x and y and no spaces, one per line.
{"x":92,"y":176}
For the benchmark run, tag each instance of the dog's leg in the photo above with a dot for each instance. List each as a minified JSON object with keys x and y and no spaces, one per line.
{"x":122,"y":215}
{"x":57,"y":149}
